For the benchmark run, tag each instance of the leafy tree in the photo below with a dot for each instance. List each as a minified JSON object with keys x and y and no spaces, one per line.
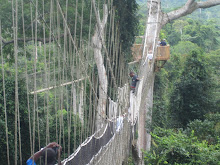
{"x":159,"y":112}
{"x":126,"y":18}
{"x":214,"y":59}
{"x":10,"y":107}
{"x":179,"y":26}
{"x":208,"y":130}
{"x":204,"y":34}
{"x":175,"y":147}
{"x":184,"y":48}
{"x":191,"y":97}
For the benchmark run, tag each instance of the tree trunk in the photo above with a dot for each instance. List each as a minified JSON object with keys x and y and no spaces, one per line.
{"x":147,"y":73}
{"x":97,"y":41}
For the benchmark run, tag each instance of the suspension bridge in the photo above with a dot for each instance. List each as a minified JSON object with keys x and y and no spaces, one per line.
{"x":75,"y":76}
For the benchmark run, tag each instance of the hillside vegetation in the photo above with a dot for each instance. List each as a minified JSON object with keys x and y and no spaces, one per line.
{"x":186,"y":111}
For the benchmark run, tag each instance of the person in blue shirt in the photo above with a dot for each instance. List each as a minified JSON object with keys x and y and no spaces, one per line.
{"x":163,"y":43}
{"x":49,"y":154}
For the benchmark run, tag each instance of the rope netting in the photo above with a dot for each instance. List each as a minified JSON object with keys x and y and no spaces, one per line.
{"x":51,"y":85}
{"x":118,"y":148}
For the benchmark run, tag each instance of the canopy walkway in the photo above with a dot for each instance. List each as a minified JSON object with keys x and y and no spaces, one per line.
{"x":111,"y":144}
{"x":68,"y":79}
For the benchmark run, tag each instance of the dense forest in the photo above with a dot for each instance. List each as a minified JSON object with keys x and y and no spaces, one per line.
{"x":186,"y":110}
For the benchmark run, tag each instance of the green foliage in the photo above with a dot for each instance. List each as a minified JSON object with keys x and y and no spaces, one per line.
{"x":142,"y":15}
{"x":204,"y":34}
{"x":160,"y":101}
{"x":208,"y":130}
{"x":63,"y":118}
{"x":10,"y":108}
{"x":191,"y":97}
{"x":184,"y":48}
{"x":175,"y":147}
{"x":186,"y":91}
{"x":127,"y":20}
{"x":57,"y":120}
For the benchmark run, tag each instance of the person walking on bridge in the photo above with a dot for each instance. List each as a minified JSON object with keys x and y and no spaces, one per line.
{"x":134,"y":81}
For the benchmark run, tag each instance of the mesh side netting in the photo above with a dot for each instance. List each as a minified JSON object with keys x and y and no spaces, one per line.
{"x":117,"y":150}
{"x":91,"y":147}
{"x":135,"y":103}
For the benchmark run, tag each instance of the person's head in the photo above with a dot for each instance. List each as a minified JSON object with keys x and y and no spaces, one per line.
{"x":164,"y":39}
{"x":49,"y":155}
{"x":131,"y":74}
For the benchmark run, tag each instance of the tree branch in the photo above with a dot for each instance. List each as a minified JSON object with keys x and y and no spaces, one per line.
{"x":188,"y":8}
{"x":208,"y":3}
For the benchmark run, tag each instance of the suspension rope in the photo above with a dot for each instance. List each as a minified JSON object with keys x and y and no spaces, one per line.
{"x":70,"y":36}
{"x":26,"y":75}
{"x":14,"y":19}
{"x":74,"y":43}
{"x":3,"y":84}
{"x":16,"y":95}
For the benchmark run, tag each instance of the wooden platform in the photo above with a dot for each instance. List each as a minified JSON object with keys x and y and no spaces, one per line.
{"x":163,"y":53}
{"x":137,"y":51}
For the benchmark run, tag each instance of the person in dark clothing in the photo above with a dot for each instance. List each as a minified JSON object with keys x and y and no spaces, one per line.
{"x":163,"y":43}
{"x":134,"y":81}
{"x":49,"y":154}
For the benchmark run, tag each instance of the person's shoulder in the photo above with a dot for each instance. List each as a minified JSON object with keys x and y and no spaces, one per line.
{"x":30,"y":162}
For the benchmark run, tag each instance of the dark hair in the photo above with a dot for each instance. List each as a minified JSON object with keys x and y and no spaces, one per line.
{"x":49,"y":155}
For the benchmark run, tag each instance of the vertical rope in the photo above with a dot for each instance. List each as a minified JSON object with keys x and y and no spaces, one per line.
{"x":59,"y":69}
{"x":71,"y":97}
{"x":34,"y":55}
{"x":109,"y":46}
{"x":68,"y":110}
{"x":81,"y":56}
{"x":3,"y":84}
{"x":111,"y":50}
{"x":62,"y":88}
{"x":16,"y":81}
{"x":48,"y":71}
{"x":36,"y":58}
{"x":95,"y":105}
{"x":55,"y":95}
{"x":74,"y":89}
{"x":91,"y":107}
{"x":90,"y":92}
{"x":14,"y":19}
{"x":26,"y":75}
{"x":116,"y":60}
